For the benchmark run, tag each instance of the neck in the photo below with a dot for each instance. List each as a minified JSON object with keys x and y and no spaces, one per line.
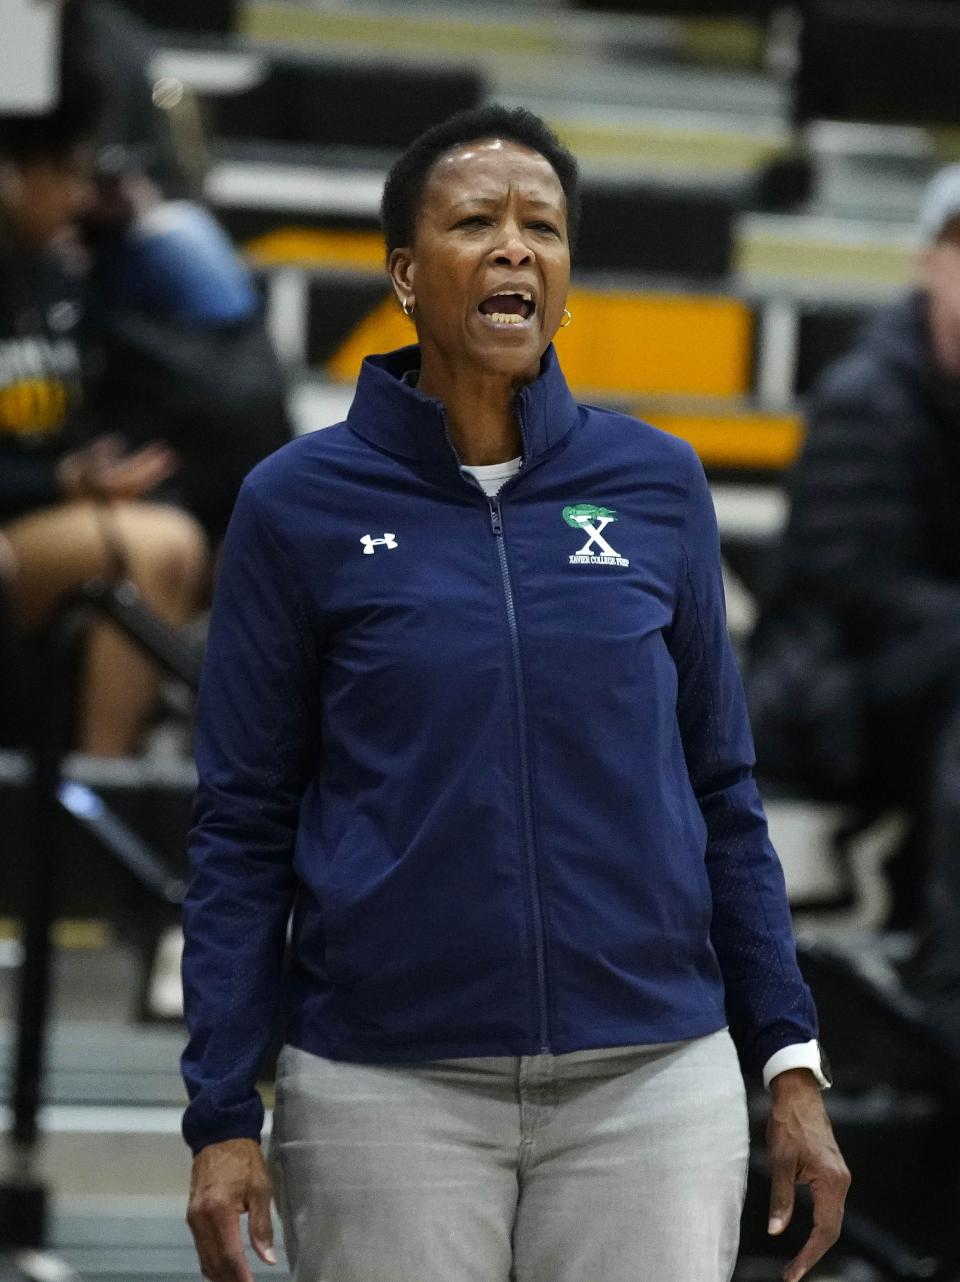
{"x":479,"y":410}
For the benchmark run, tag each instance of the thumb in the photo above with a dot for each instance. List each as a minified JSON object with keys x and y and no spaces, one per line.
{"x":782,"y":1193}
{"x":260,"y":1224}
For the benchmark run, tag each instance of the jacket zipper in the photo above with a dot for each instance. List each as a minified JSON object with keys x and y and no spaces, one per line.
{"x":536,"y":905}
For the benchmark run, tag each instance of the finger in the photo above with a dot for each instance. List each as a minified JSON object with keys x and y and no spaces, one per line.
{"x":153,"y":456}
{"x":206,"y":1242}
{"x":203,"y":1242}
{"x":814,"y":1249}
{"x":260,"y":1224}
{"x":231,"y":1258}
{"x":220,"y":1246}
{"x":783,"y":1177}
{"x":134,"y":478}
{"x":147,"y":451}
{"x":828,"y":1199}
{"x":142,"y":464}
{"x":145,"y":476}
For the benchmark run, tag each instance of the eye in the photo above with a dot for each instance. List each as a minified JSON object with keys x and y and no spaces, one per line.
{"x":474,"y":220}
{"x":549,"y":228}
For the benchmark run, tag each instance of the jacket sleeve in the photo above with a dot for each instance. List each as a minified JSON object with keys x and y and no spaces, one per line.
{"x":768,"y":1003}
{"x":857,"y":520}
{"x":256,"y":745}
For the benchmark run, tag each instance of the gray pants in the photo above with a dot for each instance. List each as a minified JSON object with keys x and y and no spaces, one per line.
{"x":625,"y":1165}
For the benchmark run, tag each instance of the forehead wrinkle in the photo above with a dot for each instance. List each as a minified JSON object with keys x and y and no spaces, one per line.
{"x":496,"y":200}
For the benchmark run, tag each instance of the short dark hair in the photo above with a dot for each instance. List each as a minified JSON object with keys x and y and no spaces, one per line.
{"x":403,"y":190}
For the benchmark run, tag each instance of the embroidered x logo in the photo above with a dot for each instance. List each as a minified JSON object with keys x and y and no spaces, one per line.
{"x":596,"y":536}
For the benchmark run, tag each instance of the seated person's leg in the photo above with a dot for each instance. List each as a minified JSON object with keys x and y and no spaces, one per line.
{"x":59,"y":549}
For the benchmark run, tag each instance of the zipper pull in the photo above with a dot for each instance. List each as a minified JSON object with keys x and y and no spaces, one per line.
{"x":495,"y":517}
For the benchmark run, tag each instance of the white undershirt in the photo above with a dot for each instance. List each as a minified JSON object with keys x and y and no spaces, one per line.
{"x":491,"y":476}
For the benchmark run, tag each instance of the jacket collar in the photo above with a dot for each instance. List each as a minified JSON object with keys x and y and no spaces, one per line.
{"x":393,"y":415}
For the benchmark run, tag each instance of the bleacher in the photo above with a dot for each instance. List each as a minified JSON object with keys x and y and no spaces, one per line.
{"x":675,"y":240}
{"x":703,"y":301}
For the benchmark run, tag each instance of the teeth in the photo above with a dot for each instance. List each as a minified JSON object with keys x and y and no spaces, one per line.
{"x":514,"y":293}
{"x":506,"y":318}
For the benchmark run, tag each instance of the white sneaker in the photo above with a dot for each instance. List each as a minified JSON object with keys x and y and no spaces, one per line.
{"x":165,"y":990}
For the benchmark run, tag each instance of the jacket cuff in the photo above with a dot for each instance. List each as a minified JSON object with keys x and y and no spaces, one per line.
{"x":203,"y":1124}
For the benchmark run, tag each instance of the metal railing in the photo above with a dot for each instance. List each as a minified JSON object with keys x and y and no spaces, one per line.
{"x":23,"y":1194}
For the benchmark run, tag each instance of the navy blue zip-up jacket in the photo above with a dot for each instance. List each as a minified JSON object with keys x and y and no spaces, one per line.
{"x":492,"y":754}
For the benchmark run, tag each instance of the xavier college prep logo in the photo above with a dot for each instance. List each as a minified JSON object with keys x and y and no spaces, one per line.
{"x":593,"y":521}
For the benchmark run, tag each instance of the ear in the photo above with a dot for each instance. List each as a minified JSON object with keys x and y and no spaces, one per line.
{"x":401,"y":268}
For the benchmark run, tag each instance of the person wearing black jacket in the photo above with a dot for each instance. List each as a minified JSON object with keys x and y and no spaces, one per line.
{"x":74,"y":500}
{"x":175,"y":318}
{"x":855,"y":676}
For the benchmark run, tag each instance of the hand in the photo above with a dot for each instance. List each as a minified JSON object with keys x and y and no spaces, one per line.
{"x":121,"y":198}
{"x":802,"y":1150}
{"x":230,"y":1178}
{"x":101,"y":470}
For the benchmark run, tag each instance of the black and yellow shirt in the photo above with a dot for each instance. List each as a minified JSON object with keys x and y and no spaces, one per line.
{"x":40,"y":375}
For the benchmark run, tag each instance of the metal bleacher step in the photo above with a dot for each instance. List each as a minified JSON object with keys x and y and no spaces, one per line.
{"x":634,"y":58}
{"x":824,"y":257}
{"x":110,"y":1116}
{"x":111,"y":1153}
{"x":133,"y":1237}
{"x":632,"y":98}
{"x":99,"y":1064}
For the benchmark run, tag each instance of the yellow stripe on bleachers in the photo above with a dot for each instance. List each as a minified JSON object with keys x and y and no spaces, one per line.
{"x":752,"y":442}
{"x":618,"y":344}
{"x":82,"y":934}
{"x":658,"y":344}
{"x":415,"y":33}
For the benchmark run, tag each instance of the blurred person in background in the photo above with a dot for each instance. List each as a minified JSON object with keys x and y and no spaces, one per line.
{"x":153,"y":126}
{"x":182,"y":350}
{"x":151,"y":139}
{"x":76,"y":502}
{"x":175,"y":322}
{"x":470,"y":712}
{"x":855,"y":675}
{"x":174,"y":331}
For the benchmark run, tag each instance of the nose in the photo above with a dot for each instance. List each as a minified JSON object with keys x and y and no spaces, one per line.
{"x":512,"y":251}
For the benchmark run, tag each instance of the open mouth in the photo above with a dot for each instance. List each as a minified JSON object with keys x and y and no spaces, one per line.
{"x":511,"y":308}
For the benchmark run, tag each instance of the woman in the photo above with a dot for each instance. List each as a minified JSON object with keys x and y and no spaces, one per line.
{"x":470,"y":712}
{"x":75,"y":503}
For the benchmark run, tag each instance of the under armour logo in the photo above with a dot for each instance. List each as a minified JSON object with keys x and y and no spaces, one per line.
{"x":370,"y":544}
{"x":595,"y":531}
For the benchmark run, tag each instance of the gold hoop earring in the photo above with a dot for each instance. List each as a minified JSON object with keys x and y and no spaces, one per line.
{"x":567,"y":318}
{"x":407,"y":306}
